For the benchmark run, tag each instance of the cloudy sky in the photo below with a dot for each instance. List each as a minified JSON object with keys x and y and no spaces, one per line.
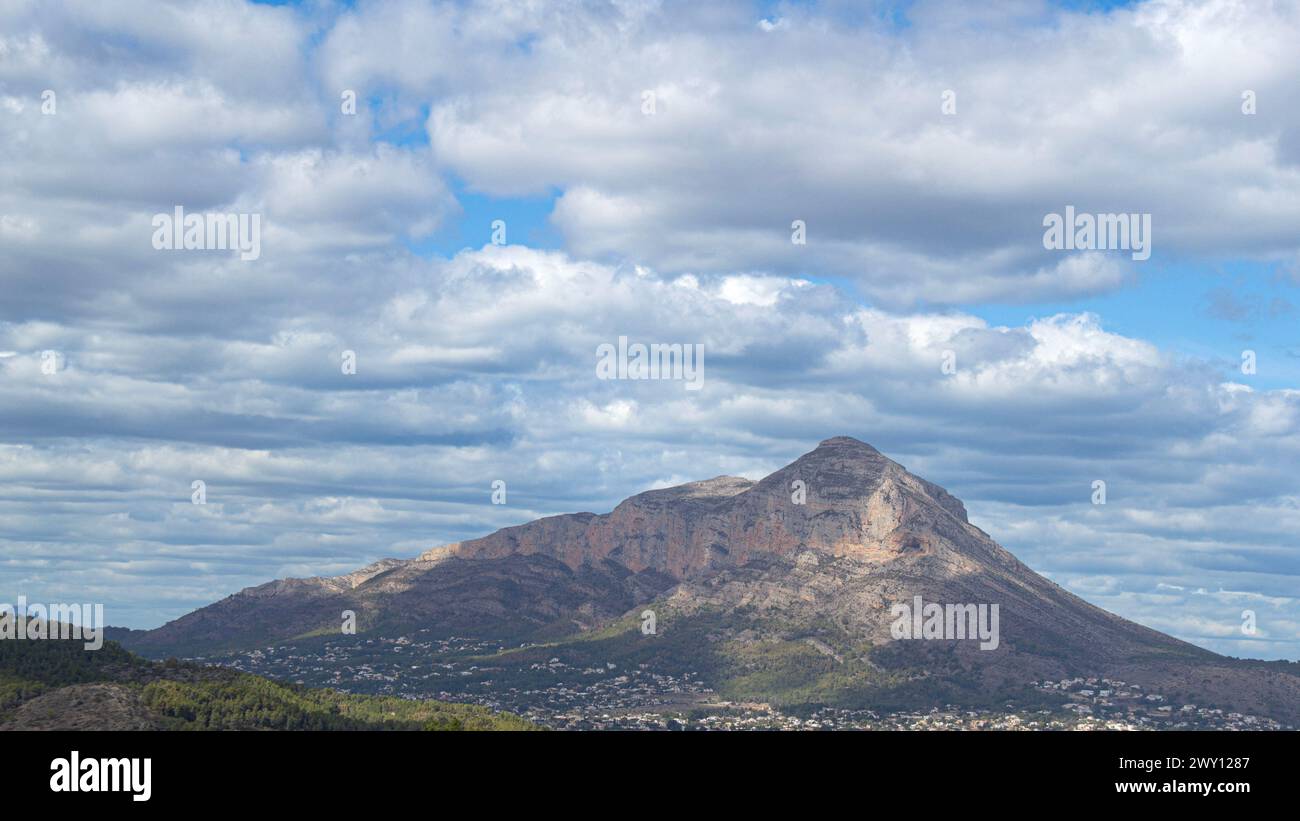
{"x":647,"y":160}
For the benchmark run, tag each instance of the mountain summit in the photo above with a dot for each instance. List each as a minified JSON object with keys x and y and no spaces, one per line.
{"x":746,"y":576}
{"x":842,"y":499}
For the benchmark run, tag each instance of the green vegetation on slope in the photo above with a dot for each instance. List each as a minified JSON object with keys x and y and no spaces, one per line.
{"x":246,"y":701}
{"x":183,"y":696}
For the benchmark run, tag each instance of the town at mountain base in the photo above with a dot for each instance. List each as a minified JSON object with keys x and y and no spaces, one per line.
{"x":780,"y":595}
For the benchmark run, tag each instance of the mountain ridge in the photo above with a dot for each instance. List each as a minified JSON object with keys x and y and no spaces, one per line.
{"x":636,"y":532}
{"x":819,"y":550}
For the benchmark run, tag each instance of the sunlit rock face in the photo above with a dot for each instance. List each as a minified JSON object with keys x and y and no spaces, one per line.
{"x":842,"y":499}
{"x":821,"y":551}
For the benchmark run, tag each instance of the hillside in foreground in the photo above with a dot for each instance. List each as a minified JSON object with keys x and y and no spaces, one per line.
{"x":58,"y":685}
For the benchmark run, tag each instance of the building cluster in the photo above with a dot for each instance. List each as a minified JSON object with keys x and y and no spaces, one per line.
{"x":557,"y":693}
{"x":1118,"y":705}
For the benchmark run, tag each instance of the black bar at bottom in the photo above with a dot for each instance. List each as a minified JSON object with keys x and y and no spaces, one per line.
{"x":333,"y":771}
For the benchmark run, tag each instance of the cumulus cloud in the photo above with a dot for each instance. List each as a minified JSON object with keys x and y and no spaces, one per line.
{"x":483,"y":367}
{"x":676,"y":228}
{"x":840,"y":125}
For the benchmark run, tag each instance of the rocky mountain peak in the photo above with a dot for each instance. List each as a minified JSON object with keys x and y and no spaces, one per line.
{"x":843,"y":498}
{"x":849,"y":475}
{"x":842,"y":442}
{"x":823,"y":547}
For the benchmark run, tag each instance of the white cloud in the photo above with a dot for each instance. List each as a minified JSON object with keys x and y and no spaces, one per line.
{"x":676,"y":228}
{"x":1134,"y":111}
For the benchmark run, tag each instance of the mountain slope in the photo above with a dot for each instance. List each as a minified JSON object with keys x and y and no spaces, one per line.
{"x":58,"y":685}
{"x":765,"y":580}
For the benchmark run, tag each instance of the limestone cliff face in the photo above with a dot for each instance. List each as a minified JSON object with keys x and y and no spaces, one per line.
{"x":856,"y":505}
{"x":855,"y":502}
{"x":752,"y":565}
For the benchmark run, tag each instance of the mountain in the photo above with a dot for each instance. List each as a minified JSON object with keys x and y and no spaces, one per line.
{"x":781,"y":590}
{"x":57,"y":684}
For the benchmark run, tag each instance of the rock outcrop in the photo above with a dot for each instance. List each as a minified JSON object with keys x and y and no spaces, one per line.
{"x":819,"y":551}
{"x":855,"y":502}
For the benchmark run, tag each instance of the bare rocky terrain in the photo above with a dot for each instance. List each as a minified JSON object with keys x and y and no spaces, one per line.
{"x":84,"y":707}
{"x":769,"y":596}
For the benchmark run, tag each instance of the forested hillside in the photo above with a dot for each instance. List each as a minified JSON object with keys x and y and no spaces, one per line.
{"x":55,"y":684}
